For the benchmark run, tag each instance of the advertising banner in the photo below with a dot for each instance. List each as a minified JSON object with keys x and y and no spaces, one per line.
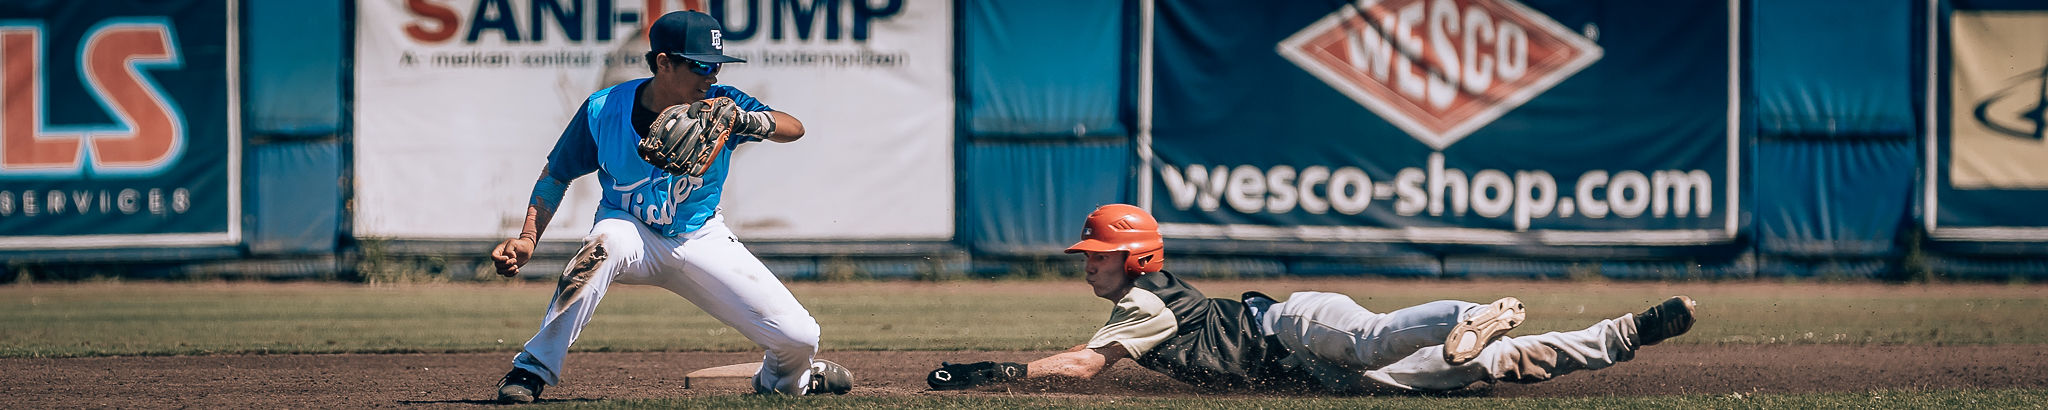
{"x":1985,"y":140}
{"x":120,"y":125}
{"x":458,"y":103}
{"x":1490,"y":123}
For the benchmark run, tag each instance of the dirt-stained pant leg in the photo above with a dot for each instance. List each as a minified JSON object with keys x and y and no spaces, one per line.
{"x":624,"y":246}
{"x":1521,"y":359}
{"x":577,"y":275}
{"x":716,"y":272}
{"x":1338,"y":340}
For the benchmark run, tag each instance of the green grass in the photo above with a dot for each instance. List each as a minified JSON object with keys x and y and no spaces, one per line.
{"x":98,"y":319}
{"x":181,"y":319}
{"x":1945,"y":399}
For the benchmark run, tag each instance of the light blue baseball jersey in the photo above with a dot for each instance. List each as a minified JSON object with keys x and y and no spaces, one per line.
{"x":602,"y":138}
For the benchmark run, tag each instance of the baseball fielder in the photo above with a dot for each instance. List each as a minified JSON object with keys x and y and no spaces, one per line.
{"x":1311,"y":340}
{"x":660,"y":228}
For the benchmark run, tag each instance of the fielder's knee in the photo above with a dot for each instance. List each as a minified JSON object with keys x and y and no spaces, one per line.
{"x":791,"y":336}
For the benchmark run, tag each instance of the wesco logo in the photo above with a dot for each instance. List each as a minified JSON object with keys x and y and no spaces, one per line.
{"x":1439,"y":69}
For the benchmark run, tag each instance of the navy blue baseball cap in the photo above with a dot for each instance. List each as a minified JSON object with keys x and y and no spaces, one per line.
{"x":693,"y":35}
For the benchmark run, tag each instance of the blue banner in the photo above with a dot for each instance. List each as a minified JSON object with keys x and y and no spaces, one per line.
{"x":117,"y":129}
{"x":1490,"y":123}
{"x":1836,"y":155}
{"x":1824,"y":71}
{"x":1985,"y":139}
{"x":1044,"y":69}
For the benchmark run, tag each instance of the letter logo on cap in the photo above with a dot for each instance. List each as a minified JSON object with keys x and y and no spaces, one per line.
{"x":717,"y":41}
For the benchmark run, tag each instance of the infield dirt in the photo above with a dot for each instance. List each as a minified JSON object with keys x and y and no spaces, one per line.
{"x":468,"y":380}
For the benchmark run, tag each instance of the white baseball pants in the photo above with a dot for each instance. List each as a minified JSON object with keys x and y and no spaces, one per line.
{"x":1348,"y":348}
{"x":708,"y":267}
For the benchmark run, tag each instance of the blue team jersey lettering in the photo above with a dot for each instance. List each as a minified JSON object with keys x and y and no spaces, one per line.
{"x":602,"y":138}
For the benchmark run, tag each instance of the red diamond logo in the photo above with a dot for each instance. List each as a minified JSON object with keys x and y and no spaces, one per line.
{"x":1439,"y":69}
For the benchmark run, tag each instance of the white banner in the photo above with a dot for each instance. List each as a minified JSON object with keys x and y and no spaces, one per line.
{"x":1997,"y":88}
{"x":458,"y":103}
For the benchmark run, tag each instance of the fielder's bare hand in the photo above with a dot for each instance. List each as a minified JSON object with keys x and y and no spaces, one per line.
{"x":512,"y":254}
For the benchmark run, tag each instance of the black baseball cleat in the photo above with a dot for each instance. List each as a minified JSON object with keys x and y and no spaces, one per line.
{"x":1485,"y":325}
{"x":520,"y":386}
{"x":1664,"y":321}
{"x":829,"y":377}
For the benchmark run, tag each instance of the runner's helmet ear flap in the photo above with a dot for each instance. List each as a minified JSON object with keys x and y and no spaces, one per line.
{"x":1119,"y":227}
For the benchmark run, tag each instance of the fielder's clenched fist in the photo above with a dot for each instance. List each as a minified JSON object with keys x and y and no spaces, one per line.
{"x":512,"y":254}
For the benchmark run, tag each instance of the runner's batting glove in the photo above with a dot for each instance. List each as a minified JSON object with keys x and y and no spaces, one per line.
{"x":686,"y":138}
{"x":951,"y":376}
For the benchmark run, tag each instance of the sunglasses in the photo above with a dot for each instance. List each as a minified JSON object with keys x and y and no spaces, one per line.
{"x":701,"y":68}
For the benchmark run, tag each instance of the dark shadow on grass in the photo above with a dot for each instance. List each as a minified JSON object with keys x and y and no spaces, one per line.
{"x":495,"y":402}
{"x":1476,"y":390}
{"x":1124,"y":384}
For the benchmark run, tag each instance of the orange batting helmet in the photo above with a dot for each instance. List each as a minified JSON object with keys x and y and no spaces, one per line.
{"x":1119,"y":227}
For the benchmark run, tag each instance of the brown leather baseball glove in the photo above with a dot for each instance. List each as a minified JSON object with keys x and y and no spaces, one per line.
{"x":685,"y":138}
